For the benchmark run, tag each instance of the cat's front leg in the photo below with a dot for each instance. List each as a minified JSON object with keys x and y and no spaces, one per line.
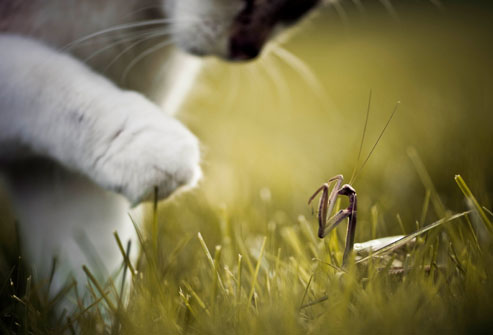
{"x":143,"y":150}
{"x":57,"y":107}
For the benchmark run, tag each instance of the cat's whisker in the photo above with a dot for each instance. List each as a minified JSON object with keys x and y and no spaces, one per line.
{"x":143,"y":9}
{"x":359,"y":6}
{"x":271,"y":69}
{"x":117,"y":28}
{"x":260,"y":81}
{"x":233,"y":85}
{"x":133,"y":45}
{"x":251,"y":79}
{"x":120,"y":41}
{"x":84,"y":122}
{"x":302,"y":69}
{"x":390,"y":9}
{"x":437,"y":3}
{"x":120,"y":35}
{"x":125,"y":26}
{"x":261,"y":77}
{"x":341,"y":12}
{"x":143,"y":55}
{"x":267,"y":78}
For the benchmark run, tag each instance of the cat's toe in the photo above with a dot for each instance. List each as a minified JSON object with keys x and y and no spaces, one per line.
{"x":158,"y":154}
{"x":177,"y":168}
{"x":167,"y":164}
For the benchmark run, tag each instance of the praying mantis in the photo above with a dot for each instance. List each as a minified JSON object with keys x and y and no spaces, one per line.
{"x":326,"y":206}
{"x":326,"y":222}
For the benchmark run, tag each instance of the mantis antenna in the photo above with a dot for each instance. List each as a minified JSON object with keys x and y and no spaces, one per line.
{"x":362,"y":139}
{"x":356,"y":170}
{"x":332,"y":189}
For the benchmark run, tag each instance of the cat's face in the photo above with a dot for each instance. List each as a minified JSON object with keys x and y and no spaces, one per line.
{"x":234,"y":30}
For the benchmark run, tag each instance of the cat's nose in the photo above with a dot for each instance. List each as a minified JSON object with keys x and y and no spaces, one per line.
{"x":241,"y":49}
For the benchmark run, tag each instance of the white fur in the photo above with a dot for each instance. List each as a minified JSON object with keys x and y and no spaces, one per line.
{"x":181,"y":71}
{"x":117,"y":138}
{"x":203,"y":28}
{"x":58,"y":108}
{"x":109,"y":147}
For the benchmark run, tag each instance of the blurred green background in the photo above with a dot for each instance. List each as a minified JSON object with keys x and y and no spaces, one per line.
{"x":273,"y":130}
{"x":269,"y":128}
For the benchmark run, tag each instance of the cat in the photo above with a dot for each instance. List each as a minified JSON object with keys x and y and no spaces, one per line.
{"x":87,"y":93}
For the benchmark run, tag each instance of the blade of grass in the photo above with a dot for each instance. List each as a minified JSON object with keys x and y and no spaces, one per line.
{"x":426,"y":180}
{"x":174,"y":253}
{"x":70,"y":326}
{"x":126,"y":259}
{"x":186,"y":301}
{"x":217,"y":257}
{"x":99,"y":288}
{"x":77,"y":295}
{"x":426,"y":205}
{"x":140,"y":237}
{"x":238,"y":281}
{"x":154,"y":219}
{"x":80,"y":314}
{"x":244,"y":251}
{"x":306,"y":291}
{"x":473,"y":233}
{"x":315,"y":302}
{"x":59,"y":296}
{"x":7,"y":279}
{"x":335,"y":267}
{"x":488,"y":211}
{"x":210,"y":259}
{"x":27,"y":298}
{"x":401,"y":224}
{"x":374,"y":221}
{"x":267,"y":284}
{"x":197,"y":297}
{"x":54,"y":262}
{"x":408,"y":238}
{"x":470,"y":197}
{"x":98,"y":314}
{"x":257,"y":269}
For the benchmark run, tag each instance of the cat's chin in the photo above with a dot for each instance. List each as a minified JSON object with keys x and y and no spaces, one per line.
{"x":241,"y":58}
{"x":229,"y":58}
{"x":236,"y":51}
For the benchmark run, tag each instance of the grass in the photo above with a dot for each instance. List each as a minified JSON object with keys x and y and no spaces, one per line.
{"x":285,"y":280}
{"x":239,"y":255}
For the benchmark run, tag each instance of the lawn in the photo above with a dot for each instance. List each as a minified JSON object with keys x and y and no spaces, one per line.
{"x":240,"y":253}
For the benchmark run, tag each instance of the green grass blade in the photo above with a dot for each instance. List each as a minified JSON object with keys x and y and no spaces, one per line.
{"x":210,"y":260}
{"x":257,"y":269}
{"x":197,"y":297}
{"x":238,"y":280}
{"x":100,"y":289}
{"x":126,"y":259}
{"x":426,"y":205}
{"x":410,"y":237}
{"x":475,"y":204}
{"x":427,"y":182}
{"x":306,"y":291}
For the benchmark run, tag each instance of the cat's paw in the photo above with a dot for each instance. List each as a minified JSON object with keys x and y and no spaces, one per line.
{"x":150,"y":150}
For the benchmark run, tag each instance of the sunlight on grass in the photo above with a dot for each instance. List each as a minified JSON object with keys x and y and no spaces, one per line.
{"x":240,"y":254}
{"x":286,"y":280}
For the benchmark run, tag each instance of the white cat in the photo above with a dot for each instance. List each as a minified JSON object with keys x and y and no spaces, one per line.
{"x":77,"y":142}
